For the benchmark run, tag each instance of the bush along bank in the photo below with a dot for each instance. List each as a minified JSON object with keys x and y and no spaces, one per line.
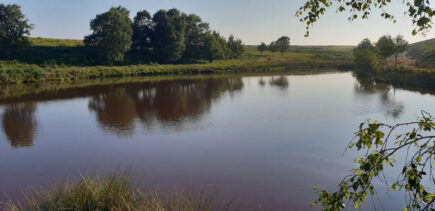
{"x":407,"y":77}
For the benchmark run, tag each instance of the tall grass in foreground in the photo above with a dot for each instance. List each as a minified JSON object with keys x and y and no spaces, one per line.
{"x":113,"y":192}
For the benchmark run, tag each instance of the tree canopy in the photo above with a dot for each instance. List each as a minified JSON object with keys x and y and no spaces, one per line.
{"x":195,"y":36}
{"x":14,"y":28}
{"x":262,"y":47}
{"x":283,"y":44}
{"x":418,"y":10}
{"x":385,"y":46}
{"x":273,"y":47}
{"x":168,"y":36}
{"x":215,"y":47}
{"x":235,"y":47}
{"x":143,"y":27}
{"x":111,"y":35}
{"x":400,"y":46}
{"x":366,"y":58}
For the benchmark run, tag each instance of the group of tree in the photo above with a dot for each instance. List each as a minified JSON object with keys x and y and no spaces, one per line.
{"x":166,"y":37}
{"x":368,"y":55}
{"x":14,"y":28}
{"x":282,"y":45}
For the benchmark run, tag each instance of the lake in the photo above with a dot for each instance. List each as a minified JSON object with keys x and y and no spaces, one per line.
{"x":263,"y":141}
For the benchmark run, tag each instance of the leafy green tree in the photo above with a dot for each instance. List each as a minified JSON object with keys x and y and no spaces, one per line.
{"x":235,"y":47}
{"x":419,"y":11}
{"x":168,"y":35}
{"x":194,"y":36}
{"x":385,"y":46}
{"x":14,"y":29}
{"x":365,"y":58}
{"x":262,"y":47}
{"x":283,"y":44}
{"x":142,"y":31}
{"x":382,"y":144}
{"x":215,"y":47}
{"x":143,"y":27}
{"x":112,"y":34}
{"x":273,"y":47}
{"x":400,"y":46}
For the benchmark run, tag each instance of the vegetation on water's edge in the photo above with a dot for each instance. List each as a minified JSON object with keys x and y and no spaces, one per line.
{"x":407,"y":77}
{"x":385,"y":61}
{"x":298,"y":58}
{"x":113,"y":192}
{"x":33,"y":91}
{"x":15,"y":72}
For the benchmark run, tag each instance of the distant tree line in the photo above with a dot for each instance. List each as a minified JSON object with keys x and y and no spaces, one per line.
{"x":368,"y":55}
{"x":281,"y":45}
{"x":165,"y":37}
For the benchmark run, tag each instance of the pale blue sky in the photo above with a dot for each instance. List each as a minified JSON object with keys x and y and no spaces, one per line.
{"x":253,"y":21}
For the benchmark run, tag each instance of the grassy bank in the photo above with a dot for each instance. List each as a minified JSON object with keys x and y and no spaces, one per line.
{"x":12,"y":72}
{"x":17,"y":72}
{"x":113,"y":192}
{"x":65,"y":60}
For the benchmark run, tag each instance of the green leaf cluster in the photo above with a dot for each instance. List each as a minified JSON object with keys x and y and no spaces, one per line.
{"x":382,"y":148}
{"x":419,"y":11}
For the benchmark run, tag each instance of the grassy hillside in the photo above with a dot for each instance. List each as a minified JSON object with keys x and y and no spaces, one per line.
{"x":49,"y":42}
{"x":53,"y":51}
{"x":423,"y":53}
{"x":323,"y":52}
{"x":418,"y":49}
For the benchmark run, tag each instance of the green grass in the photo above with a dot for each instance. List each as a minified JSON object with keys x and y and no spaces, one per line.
{"x":44,"y":51}
{"x":65,"y":60}
{"x":418,"y":49}
{"x":320,"y":52}
{"x":423,"y":53}
{"x":113,"y":192}
{"x":13,"y":72}
{"x":49,"y":42}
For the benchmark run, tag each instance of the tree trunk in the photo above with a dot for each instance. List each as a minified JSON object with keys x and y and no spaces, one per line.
{"x":395,"y":62}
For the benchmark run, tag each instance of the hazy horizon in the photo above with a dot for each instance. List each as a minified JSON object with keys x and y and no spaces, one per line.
{"x":256,"y":22}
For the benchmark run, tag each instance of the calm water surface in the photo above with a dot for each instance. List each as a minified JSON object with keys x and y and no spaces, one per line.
{"x":264,"y":141}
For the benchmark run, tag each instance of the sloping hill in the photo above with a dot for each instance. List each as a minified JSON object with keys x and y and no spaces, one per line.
{"x":423,"y":53}
{"x":418,"y":49}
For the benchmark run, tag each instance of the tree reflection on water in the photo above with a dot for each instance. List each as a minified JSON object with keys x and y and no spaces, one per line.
{"x":19,"y":124}
{"x":169,"y":103}
{"x":386,"y":92}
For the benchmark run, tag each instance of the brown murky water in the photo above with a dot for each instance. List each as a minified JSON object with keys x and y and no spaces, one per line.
{"x":262,"y":141}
